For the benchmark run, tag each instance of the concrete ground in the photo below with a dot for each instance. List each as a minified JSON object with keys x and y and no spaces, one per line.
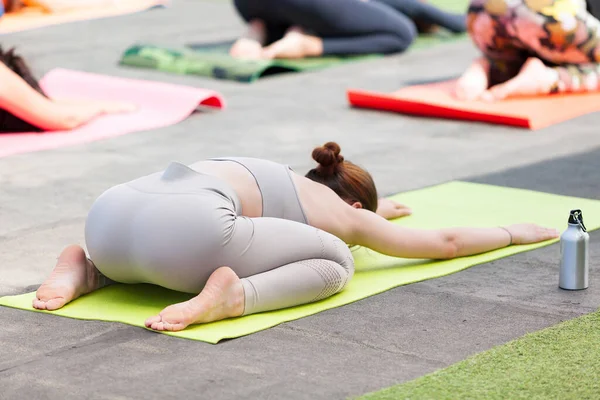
{"x":377,"y":342}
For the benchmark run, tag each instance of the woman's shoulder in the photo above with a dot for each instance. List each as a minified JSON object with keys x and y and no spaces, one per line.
{"x":324,"y":209}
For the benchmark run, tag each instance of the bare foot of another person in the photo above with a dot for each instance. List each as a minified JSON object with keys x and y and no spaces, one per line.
{"x":73,"y":276}
{"x":250,"y":46}
{"x":221,"y":298}
{"x":295,"y":44}
{"x":534,"y":78}
{"x":474,"y":82}
{"x":245,"y":48}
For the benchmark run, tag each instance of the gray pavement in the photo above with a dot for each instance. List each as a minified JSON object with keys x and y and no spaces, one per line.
{"x":390,"y":338}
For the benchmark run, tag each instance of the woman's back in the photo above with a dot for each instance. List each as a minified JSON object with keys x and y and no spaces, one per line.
{"x":320,"y":206}
{"x":240,"y":179}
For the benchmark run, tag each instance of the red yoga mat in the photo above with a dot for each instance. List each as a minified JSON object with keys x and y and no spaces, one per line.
{"x":159,"y":104}
{"x":437,"y":100}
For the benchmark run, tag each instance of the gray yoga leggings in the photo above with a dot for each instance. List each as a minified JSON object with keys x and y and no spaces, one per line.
{"x":174,"y":228}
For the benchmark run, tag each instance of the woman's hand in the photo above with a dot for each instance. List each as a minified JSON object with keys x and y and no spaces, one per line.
{"x":390,"y":209}
{"x":72,"y":114}
{"x":531,"y":233}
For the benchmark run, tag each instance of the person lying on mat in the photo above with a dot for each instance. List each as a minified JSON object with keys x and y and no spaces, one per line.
{"x":531,"y":48}
{"x":25,"y":108}
{"x":311,"y":28}
{"x":249,"y":235}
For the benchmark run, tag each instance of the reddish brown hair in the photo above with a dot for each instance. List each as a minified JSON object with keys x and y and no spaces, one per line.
{"x":349,"y":181}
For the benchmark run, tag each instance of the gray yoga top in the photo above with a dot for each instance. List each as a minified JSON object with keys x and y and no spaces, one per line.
{"x":279,"y":194}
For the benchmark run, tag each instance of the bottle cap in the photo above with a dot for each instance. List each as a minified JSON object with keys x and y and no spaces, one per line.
{"x":576,"y":217}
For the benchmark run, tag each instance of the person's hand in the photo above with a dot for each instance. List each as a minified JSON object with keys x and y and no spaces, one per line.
{"x":531,"y":233}
{"x":74,"y":113}
{"x":390,"y":209}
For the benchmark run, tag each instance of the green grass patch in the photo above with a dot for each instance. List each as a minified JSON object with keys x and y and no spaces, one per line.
{"x":561,"y":362}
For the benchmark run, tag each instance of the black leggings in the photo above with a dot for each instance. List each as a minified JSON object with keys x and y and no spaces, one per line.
{"x":350,"y":26}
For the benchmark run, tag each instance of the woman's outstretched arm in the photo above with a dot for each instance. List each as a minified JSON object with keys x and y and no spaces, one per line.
{"x":21,"y":100}
{"x":373,"y":231}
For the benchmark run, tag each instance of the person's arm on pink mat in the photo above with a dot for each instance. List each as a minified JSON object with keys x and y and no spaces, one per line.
{"x":20,"y":99}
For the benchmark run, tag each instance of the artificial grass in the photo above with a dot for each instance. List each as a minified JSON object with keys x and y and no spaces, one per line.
{"x":561,"y":362}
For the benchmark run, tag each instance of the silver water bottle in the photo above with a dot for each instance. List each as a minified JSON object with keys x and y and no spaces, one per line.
{"x":574,"y":256}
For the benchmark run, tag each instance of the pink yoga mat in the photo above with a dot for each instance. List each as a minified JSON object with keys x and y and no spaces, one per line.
{"x":159,"y":104}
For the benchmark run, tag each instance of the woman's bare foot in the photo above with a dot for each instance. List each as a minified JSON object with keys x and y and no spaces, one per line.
{"x":250,"y":46}
{"x":474,"y":82}
{"x":222,"y":297}
{"x":245,"y":48}
{"x":73,"y":276}
{"x":295,"y":44}
{"x":534,"y":78}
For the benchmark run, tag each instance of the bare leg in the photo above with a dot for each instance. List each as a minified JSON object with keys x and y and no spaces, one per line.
{"x":474,"y":81}
{"x":221,"y":298}
{"x":73,"y":276}
{"x":250,"y":45}
{"x":295,"y":44}
{"x":533,"y":79}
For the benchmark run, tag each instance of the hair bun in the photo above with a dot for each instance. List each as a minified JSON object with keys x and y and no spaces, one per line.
{"x":328,"y":156}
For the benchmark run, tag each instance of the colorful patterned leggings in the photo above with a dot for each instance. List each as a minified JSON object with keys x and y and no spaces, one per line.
{"x":561,"y":33}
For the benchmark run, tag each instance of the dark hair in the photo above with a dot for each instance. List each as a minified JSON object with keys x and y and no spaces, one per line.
{"x":18,"y":65}
{"x":347,"y":180}
{"x":9,"y":122}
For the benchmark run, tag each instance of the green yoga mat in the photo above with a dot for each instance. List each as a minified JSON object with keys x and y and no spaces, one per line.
{"x":212,"y":59}
{"x":450,"y":204}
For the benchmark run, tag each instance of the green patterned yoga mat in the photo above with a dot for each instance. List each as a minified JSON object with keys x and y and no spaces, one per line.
{"x":450,"y":204}
{"x":212,"y":59}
